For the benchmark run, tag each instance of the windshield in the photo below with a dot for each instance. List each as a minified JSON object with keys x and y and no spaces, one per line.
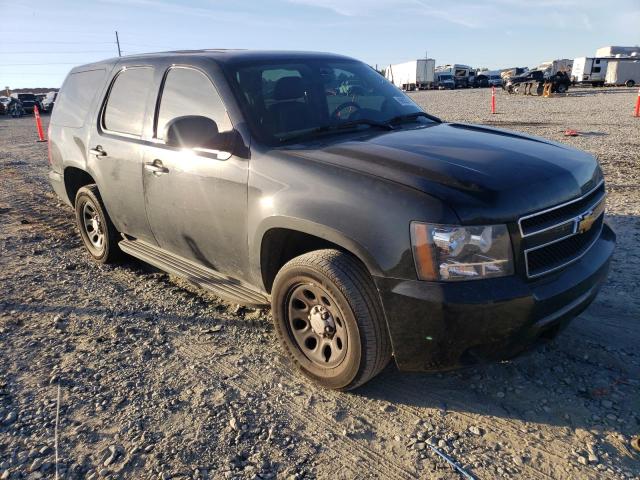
{"x":285,"y":100}
{"x":26,"y":96}
{"x":446,"y":77}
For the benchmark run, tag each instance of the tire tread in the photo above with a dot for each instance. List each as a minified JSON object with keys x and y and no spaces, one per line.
{"x":351,"y":277}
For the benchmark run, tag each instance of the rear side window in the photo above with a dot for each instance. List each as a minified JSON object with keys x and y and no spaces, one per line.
{"x":127,"y":101}
{"x":76,"y":96}
{"x":190,"y":92}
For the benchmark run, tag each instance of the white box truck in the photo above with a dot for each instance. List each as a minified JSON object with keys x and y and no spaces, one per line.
{"x":413,"y":75}
{"x":623,"y":73}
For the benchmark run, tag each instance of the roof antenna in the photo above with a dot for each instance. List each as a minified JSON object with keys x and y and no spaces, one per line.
{"x":118,"y":43}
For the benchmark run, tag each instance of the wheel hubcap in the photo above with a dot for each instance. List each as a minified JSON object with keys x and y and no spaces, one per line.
{"x":93,"y":226}
{"x":317,"y":326}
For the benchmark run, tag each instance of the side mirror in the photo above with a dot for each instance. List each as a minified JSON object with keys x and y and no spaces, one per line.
{"x":194,"y":131}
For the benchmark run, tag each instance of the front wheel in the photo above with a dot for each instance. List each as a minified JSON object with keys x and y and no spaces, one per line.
{"x":630,"y":83}
{"x":329,"y":319}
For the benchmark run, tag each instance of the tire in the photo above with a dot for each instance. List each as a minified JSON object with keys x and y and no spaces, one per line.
{"x":630,"y":83}
{"x":342,"y":288}
{"x":562,"y":88}
{"x":94,"y":222}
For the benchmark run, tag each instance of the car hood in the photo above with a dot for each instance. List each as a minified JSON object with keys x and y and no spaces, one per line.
{"x":484,"y":174}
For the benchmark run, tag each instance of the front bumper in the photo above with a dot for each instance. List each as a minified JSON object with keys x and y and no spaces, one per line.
{"x":441,"y":326}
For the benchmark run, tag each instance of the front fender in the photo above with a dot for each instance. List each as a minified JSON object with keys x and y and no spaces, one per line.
{"x":366,"y":215}
{"x":311,"y":228}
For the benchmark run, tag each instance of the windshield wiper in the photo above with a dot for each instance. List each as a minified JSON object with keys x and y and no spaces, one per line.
{"x":412,"y":116}
{"x":337,"y":127}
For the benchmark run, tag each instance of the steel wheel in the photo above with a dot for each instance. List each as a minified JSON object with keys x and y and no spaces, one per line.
{"x":93,"y":225}
{"x":98,"y":233}
{"x":316,"y":323}
{"x":329,"y":320}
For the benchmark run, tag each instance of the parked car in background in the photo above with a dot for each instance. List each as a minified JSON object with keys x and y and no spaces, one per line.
{"x":371,"y":227}
{"x":4,"y":105}
{"x":460,"y":74}
{"x":480,"y":81}
{"x":445,"y":81}
{"x":509,"y":73}
{"x":534,"y":81}
{"x":28,"y":101}
{"x":49,"y":101}
{"x":39,"y":99}
{"x":495,"y":81}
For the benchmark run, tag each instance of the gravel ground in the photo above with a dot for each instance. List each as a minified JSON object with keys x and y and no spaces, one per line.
{"x":160,"y":380}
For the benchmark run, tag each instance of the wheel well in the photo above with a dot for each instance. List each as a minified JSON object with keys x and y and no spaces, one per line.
{"x":74,"y":180}
{"x":279,"y":245}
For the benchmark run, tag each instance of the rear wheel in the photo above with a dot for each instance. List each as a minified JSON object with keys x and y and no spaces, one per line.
{"x":562,"y":88}
{"x":329,"y":319}
{"x":630,"y":83}
{"x":98,"y":233}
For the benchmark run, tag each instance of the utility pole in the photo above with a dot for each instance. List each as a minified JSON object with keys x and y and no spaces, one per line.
{"x":118,"y":43}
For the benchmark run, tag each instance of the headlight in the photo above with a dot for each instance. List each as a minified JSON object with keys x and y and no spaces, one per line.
{"x":454,"y":252}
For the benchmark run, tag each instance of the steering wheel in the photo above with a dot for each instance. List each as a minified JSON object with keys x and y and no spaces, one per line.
{"x":336,"y":113}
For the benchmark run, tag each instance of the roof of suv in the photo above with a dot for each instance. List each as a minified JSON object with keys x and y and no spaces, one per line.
{"x":225,"y":55}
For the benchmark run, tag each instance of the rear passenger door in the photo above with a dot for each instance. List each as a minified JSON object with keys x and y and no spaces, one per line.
{"x":197,"y":202}
{"x":116,"y":147}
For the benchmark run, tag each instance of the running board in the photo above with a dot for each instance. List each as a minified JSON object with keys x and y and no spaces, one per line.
{"x":221,"y":285}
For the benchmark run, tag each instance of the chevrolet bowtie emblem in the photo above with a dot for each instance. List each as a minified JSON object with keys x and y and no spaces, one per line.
{"x":586,"y":221}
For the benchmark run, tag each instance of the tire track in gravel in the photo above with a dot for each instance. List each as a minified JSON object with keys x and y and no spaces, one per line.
{"x":416,"y":413}
{"x":384,"y":466}
{"x":354,"y":403}
{"x":34,"y":207}
{"x":501,"y":427}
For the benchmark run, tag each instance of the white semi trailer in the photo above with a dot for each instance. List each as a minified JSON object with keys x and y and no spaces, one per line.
{"x":623,"y":73}
{"x":413,"y":75}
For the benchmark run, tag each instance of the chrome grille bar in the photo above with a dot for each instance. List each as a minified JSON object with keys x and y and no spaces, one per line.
{"x":580,"y":223}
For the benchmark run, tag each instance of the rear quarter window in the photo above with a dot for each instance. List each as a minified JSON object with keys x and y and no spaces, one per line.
{"x":76,"y":97}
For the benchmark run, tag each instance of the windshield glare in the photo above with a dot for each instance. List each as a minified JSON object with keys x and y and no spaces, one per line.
{"x":281,"y":100}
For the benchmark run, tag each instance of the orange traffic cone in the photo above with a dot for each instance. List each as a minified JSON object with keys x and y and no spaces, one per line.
{"x":36,"y":114}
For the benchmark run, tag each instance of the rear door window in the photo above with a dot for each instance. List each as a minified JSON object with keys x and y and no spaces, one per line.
{"x":188,"y":91}
{"x":125,"y":109}
{"x":76,"y":97}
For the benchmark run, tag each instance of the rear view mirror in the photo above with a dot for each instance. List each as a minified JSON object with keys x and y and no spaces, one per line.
{"x":197,"y":132}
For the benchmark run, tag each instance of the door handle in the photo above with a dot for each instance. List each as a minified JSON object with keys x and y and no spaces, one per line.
{"x":98,"y":151}
{"x":156,"y":167}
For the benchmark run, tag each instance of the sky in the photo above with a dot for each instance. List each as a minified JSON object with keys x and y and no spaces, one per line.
{"x":40,"y":41}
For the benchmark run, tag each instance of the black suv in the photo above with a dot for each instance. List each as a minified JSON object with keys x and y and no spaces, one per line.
{"x":308,"y":182}
{"x":28,"y":100}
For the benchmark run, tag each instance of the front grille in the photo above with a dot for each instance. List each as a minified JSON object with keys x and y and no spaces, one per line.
{"x":531,"y":224}
{"x":558,"y":236}
{"x":558,"y":254}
